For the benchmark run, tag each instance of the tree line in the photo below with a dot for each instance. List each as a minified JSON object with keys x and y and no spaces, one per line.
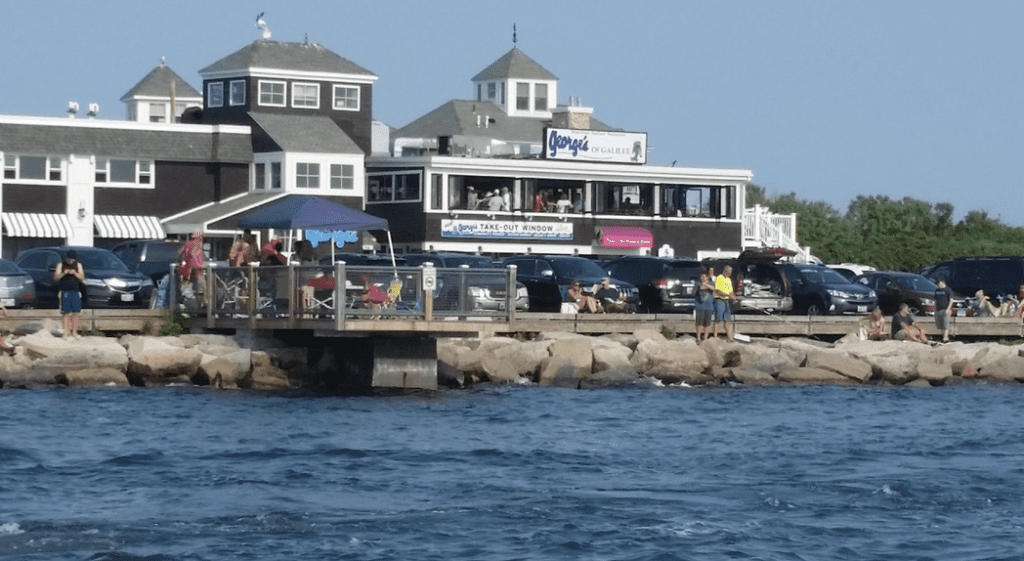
{"x":905,"y":234}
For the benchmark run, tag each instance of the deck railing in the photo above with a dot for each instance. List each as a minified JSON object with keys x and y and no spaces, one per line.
{"x":763,"y":228}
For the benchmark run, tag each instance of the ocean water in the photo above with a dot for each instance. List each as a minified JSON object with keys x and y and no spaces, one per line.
{"x":511,"y":472}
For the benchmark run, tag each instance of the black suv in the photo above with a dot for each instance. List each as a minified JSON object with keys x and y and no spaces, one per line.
{"x":665,"y":284}
{"x":818,"y":290}
{"x":547,"y":278}
{"x":758,"y":280}
{"x":108,"y":282}
{"x":997,"y":276}
{"x":150,"y":257}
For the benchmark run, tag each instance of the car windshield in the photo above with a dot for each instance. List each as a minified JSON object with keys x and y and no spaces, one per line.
{"x":823,"y":276}
{"x":686,"y":272}
{"x":101,"y":260}
{"x":162,"y":252}
{"x":471,"y":261}
{"x":8,"y":267}
{"x":576,"y":268}
{"x":916,"y":283}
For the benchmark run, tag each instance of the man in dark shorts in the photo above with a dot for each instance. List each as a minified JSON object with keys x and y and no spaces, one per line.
{"x":903,"y":327}
{"x":943,"y":308}
{"x":70,"y":277}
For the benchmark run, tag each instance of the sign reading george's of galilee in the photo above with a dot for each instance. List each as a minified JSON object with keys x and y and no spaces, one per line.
{"x":596,"y":146}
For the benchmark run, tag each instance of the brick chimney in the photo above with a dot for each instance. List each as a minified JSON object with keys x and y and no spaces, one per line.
{"x":571,"y":116}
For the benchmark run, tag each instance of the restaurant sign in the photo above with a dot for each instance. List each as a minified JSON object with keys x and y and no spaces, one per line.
{"x":595,"y":146}
{"x":506,"y":230}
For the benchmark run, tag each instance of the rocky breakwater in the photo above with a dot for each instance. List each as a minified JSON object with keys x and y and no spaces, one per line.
{"x":43,"y":359}
{"x":648,"y":357}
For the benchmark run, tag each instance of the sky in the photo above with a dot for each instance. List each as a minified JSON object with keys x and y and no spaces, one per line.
{"x":822,"y":98}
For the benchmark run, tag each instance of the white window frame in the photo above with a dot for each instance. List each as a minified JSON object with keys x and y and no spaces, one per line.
{"x":284,"y":93}
{"x":145,"y":174}
{"x":236,"y":87}
{"x":393,"y":196}
{"x":217,"y":87}
{"x":295,"y":98}
{"x":343,"y":176}
{"x":159,"y":116}
{"x":308,"y":173}
{"x":51,"y":165}
{"x":276,"y":172}
{"x":335,"y":97}
{"x":256,"y":172}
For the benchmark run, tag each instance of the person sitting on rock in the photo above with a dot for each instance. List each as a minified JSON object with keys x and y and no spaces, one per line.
{"x":874,"y":325}
{"x":904,"y":328}
{"x":983,"y":308}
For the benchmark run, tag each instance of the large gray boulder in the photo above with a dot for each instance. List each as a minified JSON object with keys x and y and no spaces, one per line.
{"x":93,"y":377}
{"x":841,"y":363}
{"x":612,"y":357}
{"x":154,"y":361}
{"x":769,"y":357}
{"x":934,"y":373}
{"x":803,"y":375}
{"x":612,"y":377}
{"x":571,"y":360}
{"x":1005,"y":370}
{"x":510,"y":363}
{"x":268,"y":377}
{"x":752,"y":376}
{"x":470,"y":362}
{"x":671,"y":361}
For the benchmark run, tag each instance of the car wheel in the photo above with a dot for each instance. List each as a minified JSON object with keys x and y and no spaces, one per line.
{"x":914,"y":310}
{"x":815,"y":309}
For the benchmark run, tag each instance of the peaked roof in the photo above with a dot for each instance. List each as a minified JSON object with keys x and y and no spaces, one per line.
{"x":306,"y":133}
{"x":460,"y":118}
{"x":158,"y":84}
{"x":296,"y":57}
{"x":514,"y":64}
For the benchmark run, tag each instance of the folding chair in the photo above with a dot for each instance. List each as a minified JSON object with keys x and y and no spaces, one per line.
{"x":319,"y":294}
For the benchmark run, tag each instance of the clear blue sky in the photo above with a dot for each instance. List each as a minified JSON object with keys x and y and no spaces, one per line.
{"x":824,"y":98}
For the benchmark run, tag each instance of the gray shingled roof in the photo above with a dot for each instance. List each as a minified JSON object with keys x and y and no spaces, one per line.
{"x":299,"y":57}
{"x":128,"y":142}
{"x":460,"y":118}
{"x":306,"y":133}
{"x":158,"y":84}
{"x":514,"y":64}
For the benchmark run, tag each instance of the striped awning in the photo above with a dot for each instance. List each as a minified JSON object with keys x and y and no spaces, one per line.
{"x":128,"y":227}
{"x":36,"y":225}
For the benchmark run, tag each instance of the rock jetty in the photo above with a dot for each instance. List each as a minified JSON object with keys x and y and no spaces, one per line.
{"x":648,"y":357}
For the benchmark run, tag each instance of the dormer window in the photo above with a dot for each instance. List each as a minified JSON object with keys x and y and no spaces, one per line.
{"x":540,"y":100}
{"x":523,"y":96}
{"x":492,"y":91}
{"x":215,"y":94}
{"x":306,"y":95}
{"x":346,"y":98}
{"x":271,"y":93}
{"x":237,"y":94}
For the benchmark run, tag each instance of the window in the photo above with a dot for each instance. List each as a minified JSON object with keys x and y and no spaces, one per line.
{"x":346,"y":97}
{"x":237,"y":94}
{"x":306,"y":95}
{"x":436,"y":192}
{"x":124,"y":172}
{"x":35,"y":168}
{"x":503,"y":94}
{"x":624,"y":198}
{"x":275,"y":175}
{"x":215,"y":94}
{"x":523,"y":96}
{"x":407,"y":187}
{"x":179,"y":110}
{"x":703,"y":201}
{"x":260,"y":176}
{"x":492,"y":91}
{"x":342,"y":176}
{"x":540,"y":100}
{"x":307,"y":176}
{"x":272,"y":93}
{"x":479,"y":92}
{"x":157,"y":113}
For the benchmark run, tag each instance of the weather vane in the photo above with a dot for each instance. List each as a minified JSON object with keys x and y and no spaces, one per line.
{"x":262,"y":25}
{"x":513,"y":34}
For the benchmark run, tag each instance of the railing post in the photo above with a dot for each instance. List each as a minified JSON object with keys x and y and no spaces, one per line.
{"x":292,"y":289}
{"x":210,"y":295}
{"x":340,"y":296}
{"x":510,"y":295}
{"x":172,"y":290}
{"x":253,"y":295}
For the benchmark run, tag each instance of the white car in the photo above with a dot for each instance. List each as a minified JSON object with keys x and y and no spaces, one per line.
{"x":850,"y":270}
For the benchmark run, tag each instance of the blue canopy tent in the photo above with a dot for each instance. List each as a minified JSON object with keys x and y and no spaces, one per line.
{"x":308,"y":212}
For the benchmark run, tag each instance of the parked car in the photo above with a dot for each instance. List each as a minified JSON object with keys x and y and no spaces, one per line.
{"x":894,"y":288}
{"x":469,"y":292}
{"x":362,"y":259}
{"x":17,"y":289}
{"x":547,"y":278}
{"x":850,"y":270}
{"x":150,"y":257}
{"x":108,"y":282}
{"x":665,"y":284}
{"x":998,"y":276}
{"x":758,"y":280}
{"x":818,"y":290}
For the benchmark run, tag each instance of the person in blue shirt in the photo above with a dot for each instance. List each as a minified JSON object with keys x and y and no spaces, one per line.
{"x":704,"y":310}
{"x":943,"y":308}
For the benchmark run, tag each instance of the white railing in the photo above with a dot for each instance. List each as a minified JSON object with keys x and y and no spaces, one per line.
{"x":763,"y":228}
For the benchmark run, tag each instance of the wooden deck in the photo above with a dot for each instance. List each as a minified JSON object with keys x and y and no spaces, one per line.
{"x":107,"y":320}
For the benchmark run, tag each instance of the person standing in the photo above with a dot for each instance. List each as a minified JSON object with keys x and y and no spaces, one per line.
{"x":943,"y":308}
{"x":704,"y":310}
{"x":70,"y":277}
{"x":192,"y":263}
{"x":724,"y":295}
{"x":472,"y":201}
{"x":506,"y":200}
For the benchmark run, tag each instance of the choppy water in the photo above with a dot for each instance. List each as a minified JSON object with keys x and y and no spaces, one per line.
{"x":508,"y":473}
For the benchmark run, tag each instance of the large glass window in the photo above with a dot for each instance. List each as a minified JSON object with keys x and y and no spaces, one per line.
{"x":540,"y":97}
{"x":271,"y":93}
{"x":470,"y":192}
{"x":393,"y":187}
{"x":346,"y":97}
{"x":306,"y":95}
{"x":237,"y":93}
{"x":492,"y":91}
{"x":342,"y":176}
{"x":436,"y":192}
{"x":260,"y":176}
{"x":523,"y":96}
{"x":275,"y":175}
{"x":124,"y":172}
{"x":698,"y":201}
{"x":548,"y":195}
{"x":215,"y":94}
{"x":307,"y":176}
{"x":624,"y":198}
{"x":32,"y":167}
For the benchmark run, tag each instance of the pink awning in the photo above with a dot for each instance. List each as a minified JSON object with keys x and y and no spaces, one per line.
{"x":625,"y":237}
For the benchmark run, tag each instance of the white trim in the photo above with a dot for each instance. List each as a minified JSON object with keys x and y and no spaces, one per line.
{"x":128,"y":227}
{"x":305,"y":85}
{"x":284,"y":93}
{"x":334,"y":97}
{"x":231,"y":93}
{"x":126,"y":125}
{"x":36,"y":225}
{"x":279,"y":74}
{"x":209,"y":94}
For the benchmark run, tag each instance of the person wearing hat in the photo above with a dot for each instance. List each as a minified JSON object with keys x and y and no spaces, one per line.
{"x":471,"y":199}
{"x":609,"y":298}
{"x":494,"y":201}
